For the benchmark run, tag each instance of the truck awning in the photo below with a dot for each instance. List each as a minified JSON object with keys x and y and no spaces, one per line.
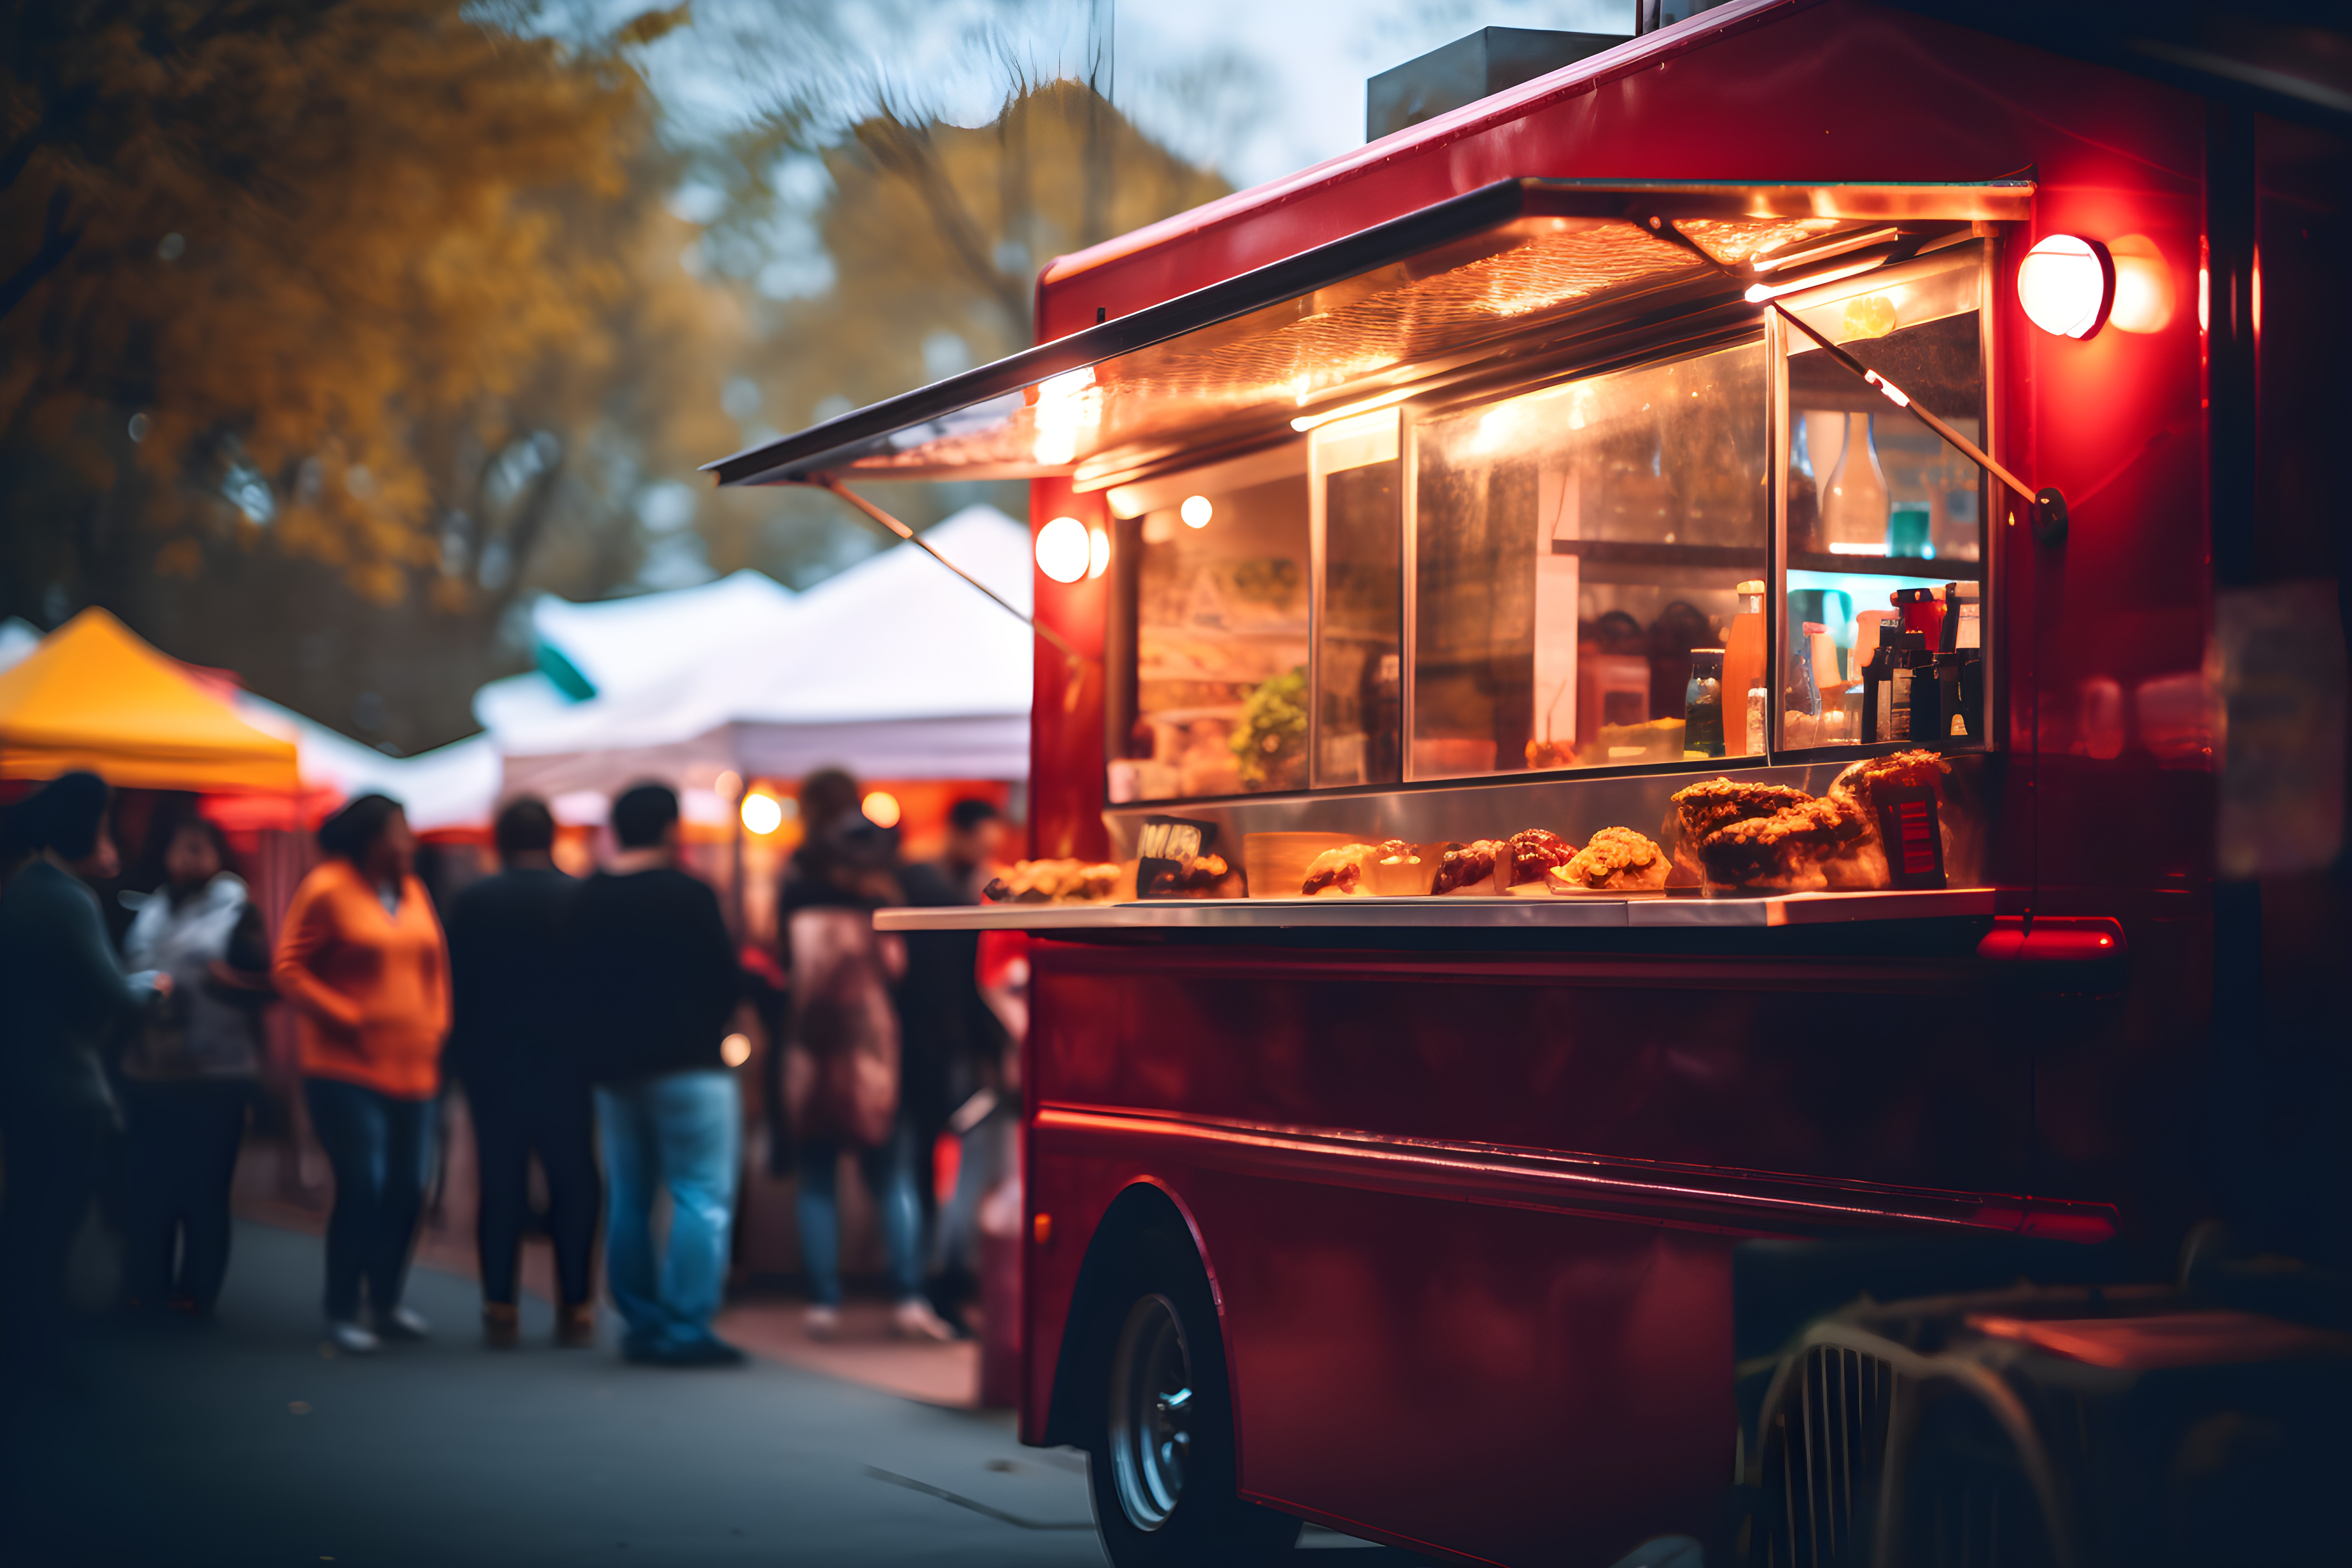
{"x":1518,"y":266}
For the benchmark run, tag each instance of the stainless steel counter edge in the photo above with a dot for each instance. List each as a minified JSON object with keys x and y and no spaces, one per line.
{"x":1444,"y":913}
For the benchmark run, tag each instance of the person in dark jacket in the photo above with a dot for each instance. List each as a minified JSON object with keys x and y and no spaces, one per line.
{"x":653,"y":982}
{"x":526,"y":1085}
{"x":63,"y":995}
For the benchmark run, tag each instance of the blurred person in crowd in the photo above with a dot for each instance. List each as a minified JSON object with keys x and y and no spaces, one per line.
{"x":652,"y":982}
{"x":954,"y":1043}
{"x":526,"y":1083}
{"x":63,"y":995}
{"x":844,"y":1044}
{"x":191,"y":1075}
{"x":362,"y":959}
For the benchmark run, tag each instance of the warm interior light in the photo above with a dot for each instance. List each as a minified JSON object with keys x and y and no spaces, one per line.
{"x":1097,"y":551}
{"x":1064,"y":551}
{"x":728,"y":785}
{"x":763,"y":813}
{"x":2068,"y":284}
{"x":1306,"y":422}
{"x":881,"y":808}
{"x":735,"y":1049}
{"x":1196,"y":511}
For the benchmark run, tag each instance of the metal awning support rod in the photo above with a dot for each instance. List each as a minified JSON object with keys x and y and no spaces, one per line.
{"x":2049,"y":513}
{"x":827,"y":482}
{"x":1902,"y":399}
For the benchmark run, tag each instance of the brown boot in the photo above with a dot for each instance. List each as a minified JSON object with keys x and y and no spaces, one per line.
{"x":502,"y":1325}
{"x":575,"y":1325}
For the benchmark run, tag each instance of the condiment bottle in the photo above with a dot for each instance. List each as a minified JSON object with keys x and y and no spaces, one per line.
{"x":1963,"y":627}
{"x":1922,"y":611}
{"x":1887,"y":697}
{"x":1801,"y":695}
{"x":1804,"y":496}
{"x":1743,"y":658}
{"x":1703,"y":704}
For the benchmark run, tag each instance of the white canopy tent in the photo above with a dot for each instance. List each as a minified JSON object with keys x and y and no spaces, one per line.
{"x":454,"y":786}
{"x":893,"y":668}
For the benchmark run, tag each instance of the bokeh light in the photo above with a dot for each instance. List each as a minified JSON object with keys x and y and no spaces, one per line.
{"x":881,"y":808}
{"x":761,"y":813}
{"x":1064,"y":551}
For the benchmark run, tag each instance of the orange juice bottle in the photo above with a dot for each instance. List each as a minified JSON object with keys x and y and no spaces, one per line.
{"x":1743,"y":667}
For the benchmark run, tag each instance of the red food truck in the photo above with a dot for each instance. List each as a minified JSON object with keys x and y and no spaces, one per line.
{"x":1631,"y":685}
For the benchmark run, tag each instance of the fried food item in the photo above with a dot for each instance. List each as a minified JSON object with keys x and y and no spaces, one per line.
{"x":1201,"y":877}
{"x":1536,"y":850}
{"x":1483,"y":866}
{"x":1706,"y":808}
{"x":1901,"y":770}
{"x":1344,"y":872}
{"x":1780,"y":853}
{"x":1615,"y":860}
{"x":1068,"y":881}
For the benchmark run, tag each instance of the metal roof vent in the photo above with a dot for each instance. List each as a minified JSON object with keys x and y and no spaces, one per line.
{"x":1467,"y":70}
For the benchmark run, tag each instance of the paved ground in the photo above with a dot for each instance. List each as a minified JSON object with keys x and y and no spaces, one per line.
{"x":248,"y":1445}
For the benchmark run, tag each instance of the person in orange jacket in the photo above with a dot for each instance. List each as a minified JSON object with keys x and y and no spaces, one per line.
{"x":362,"y":960}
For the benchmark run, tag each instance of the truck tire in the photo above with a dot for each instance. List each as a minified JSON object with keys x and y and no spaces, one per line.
{"x":1160,"y":1453}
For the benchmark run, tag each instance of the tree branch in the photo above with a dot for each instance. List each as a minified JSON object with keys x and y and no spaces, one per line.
{"x":57,"y":242}
{"x":906,"y":153}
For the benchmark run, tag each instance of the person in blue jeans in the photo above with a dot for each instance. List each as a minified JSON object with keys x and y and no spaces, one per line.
{"x":653,"y":981}
{"x":845,"y":1025}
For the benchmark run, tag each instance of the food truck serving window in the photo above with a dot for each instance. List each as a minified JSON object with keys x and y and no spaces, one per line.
{"x":1525,"y":483}
{"x":1687,"y":556}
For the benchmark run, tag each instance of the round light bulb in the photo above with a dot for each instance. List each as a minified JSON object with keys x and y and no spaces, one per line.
{"x":2067,"y":285}
{"x":735,"y":1050}
{"x":1064,"y":551}
{"x":1098,"y":553}
{"x":880,"y":808}
{"x":1196,"y":511}
{"x":761,"y":814}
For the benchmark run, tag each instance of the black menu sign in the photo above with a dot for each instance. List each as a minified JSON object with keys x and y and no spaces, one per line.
{"x":1166,"y":847}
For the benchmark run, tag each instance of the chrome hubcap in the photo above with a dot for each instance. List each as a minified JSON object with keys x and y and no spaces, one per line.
{"x":1151,"y":1406}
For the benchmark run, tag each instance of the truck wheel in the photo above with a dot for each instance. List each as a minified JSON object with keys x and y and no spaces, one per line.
{"x":1161,"y":1457}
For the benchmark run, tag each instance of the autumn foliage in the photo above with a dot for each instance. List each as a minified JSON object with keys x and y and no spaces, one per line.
{"x":332,"y":249}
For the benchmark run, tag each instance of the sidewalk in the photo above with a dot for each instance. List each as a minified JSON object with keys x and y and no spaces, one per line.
{"x":768,"y":1323}
{"x":252,"y":1443}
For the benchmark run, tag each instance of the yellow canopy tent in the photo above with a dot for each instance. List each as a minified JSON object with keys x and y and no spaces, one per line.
{"x":94,"y":695}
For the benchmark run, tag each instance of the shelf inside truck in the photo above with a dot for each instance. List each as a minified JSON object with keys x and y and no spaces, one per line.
{"x":1447,"y":913}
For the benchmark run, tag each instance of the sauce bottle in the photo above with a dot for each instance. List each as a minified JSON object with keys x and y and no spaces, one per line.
{"x":1743,"y":663}
{"x":1703,"y":704}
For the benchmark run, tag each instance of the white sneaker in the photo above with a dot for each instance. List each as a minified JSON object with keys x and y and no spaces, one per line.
{"x":353,"y":1339}
{"x":914,"y":1319}
{"x":821,"y":1323}
{"x":403,"y":1323}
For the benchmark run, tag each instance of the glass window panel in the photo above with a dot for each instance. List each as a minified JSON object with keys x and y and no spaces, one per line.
{"x":1360,"y":631}
{"x":1219,"y":620}
{"x":1572,"y":547}
{"x":1885,"y":522}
